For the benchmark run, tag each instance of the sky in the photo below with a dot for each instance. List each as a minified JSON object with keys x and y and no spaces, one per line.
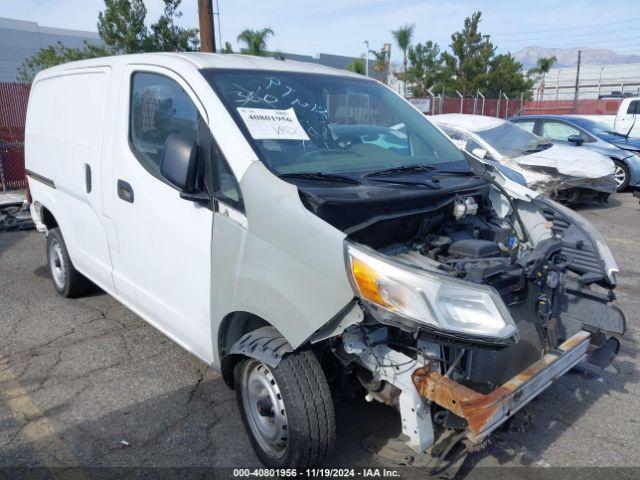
{"x":341,"y":26}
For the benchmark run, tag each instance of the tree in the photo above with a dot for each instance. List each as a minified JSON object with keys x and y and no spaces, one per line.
{"x":505,"y":76}
{"x":357,"y":66}
{"x":403,"y":37}
{"x":166,"y":36}
{"x":55,"y":55}
{"x":471,"y":53}
{"x":227,"y":48}
{"x":472,"y":65}
{"x":425,"y":69}
{"x":543,"y":65}
{"x":255,"y":40}
{"x":121,"y":26}
{"x":122,"y":29}
{"x":381,"y":61}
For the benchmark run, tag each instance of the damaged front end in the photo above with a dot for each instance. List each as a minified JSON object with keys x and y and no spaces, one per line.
{"x":567,"y":184}
{"x":475,"y":305}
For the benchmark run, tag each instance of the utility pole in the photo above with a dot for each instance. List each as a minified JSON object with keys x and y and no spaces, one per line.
{"x":577,"y":87}
{"x":207,"y":32}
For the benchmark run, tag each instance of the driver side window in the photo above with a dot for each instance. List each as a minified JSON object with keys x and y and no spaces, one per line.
{"x":560,"y":131}
{"x":159,"y":107}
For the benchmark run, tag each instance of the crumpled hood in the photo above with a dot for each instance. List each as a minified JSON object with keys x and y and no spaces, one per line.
{"x":572,"y":161}
{"x":560,"y":168}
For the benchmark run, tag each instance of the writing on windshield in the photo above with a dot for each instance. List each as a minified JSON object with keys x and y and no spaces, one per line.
{"x":347,"y":125}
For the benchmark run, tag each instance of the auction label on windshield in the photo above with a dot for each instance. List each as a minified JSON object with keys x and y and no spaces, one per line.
{"x":268,"y":124}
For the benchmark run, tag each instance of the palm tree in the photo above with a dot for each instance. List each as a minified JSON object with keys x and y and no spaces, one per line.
{"x":255,"y":40}
{"x":380,"y":63}
{"x":403,"y":37}
{"x":543,"y":65}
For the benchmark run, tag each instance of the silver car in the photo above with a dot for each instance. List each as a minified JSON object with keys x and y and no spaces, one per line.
{"x":587,"y":134}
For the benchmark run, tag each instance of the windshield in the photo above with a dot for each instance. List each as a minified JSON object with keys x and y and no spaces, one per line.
{"x":510,"y":140}
{"x":598,"y":129}
{"x":303,"y":123}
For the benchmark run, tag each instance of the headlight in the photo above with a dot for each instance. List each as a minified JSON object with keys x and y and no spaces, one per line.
{"x":402,"y":294}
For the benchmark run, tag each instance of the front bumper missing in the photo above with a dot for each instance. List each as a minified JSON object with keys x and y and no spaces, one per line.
{"x":485,"y":413}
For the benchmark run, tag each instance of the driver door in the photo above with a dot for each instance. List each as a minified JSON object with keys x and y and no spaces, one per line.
{"x":161,"y":243}
{"x":559,"y":132}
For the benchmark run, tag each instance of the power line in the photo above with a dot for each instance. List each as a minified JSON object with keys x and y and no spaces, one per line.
{"x":592,"y":45}
{"x":572,"y":28}
{"x":575,"y":35}
{"x":597,"y":41}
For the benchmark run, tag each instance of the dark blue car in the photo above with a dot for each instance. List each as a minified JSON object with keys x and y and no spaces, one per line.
{"x":586,"y":133}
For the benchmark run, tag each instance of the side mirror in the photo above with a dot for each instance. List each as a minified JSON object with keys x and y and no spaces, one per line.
{"x":179,"y":166}
{"x":479,"y":152}
{"x":576,"y":139}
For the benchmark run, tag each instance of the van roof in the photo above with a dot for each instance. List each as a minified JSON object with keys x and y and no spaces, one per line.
{"x":201,"y":60}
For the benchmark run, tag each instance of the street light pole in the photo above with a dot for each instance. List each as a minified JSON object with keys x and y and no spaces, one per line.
{"x":366,"y":59}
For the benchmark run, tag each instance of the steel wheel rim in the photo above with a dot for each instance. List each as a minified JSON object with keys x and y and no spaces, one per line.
{"x":56,"y":264}
{"x":619,"y":175}
{"x":264,"y":408}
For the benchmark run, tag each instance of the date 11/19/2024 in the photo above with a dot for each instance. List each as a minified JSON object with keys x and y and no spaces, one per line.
{"x":316,"y":473}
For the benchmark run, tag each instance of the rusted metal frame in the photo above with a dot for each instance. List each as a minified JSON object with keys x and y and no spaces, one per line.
{"x":484,"y":413}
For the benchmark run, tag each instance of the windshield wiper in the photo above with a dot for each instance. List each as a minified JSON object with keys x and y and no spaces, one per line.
{"x":466,"y":173}
{"x":401,"y":168}
{"x":325,"y":177}
{"x":617,"y":134}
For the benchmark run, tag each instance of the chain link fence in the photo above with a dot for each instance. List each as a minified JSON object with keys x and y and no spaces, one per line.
{"x":13,"y":112}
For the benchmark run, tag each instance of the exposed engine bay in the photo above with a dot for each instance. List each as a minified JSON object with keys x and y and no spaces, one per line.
{"x":529,"y":261}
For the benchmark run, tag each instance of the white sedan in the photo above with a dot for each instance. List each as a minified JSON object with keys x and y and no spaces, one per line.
{"x":559,"y":171}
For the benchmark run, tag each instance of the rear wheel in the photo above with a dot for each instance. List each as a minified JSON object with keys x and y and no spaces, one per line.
{"x":621,"y":174}
{"x":287,"y":410}
{"x":67,"y":281}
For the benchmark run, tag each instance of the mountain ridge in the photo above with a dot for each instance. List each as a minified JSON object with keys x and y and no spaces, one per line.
{"x":568,"y":57}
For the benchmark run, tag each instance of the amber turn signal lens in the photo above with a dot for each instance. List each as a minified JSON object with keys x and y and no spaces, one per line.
{"x":367,"y":280}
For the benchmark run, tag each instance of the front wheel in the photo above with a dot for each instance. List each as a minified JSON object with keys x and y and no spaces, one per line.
{"x":287,"y":410}
{"x":621,"y":175}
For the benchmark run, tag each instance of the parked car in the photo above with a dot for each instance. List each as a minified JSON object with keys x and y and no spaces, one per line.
{"x":394,"y":139}
{"x":561,"y":172}
{"x":221,"y":199}
{"x":595,"y":136}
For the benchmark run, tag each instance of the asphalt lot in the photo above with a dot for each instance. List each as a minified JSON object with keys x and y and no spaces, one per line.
{"x":87,"y":383}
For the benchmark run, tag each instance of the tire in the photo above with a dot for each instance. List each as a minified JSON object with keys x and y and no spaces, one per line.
{"x":67,"y":281}
{"x":621,"y":175}
{"x":287,"y":411}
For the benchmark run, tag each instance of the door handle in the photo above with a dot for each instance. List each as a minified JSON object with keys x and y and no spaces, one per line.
{"x":125,"y":192}
{"x":87,"y":177}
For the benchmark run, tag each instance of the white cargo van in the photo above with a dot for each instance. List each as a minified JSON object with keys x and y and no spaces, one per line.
{"x":289,"y":223}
